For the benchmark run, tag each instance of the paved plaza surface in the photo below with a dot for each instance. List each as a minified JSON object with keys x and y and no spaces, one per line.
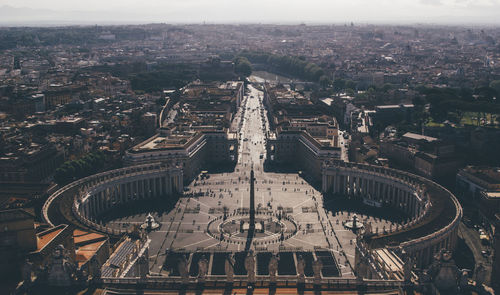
{"x":282,"y":200}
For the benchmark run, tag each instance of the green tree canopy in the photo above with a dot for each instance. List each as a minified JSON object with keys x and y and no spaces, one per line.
{"x":78,"y":168}
{"x":242,"y":66}
{"x":496,"y":86}
{"x":324,"y":81}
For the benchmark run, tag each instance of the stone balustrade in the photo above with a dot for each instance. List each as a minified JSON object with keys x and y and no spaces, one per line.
{"x":242,"y":281}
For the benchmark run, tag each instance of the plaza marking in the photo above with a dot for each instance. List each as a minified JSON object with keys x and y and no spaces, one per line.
{"x":205,"y":213}
{"x":306,"y":200}
{"x":302,"y":241}
{"x":218,"y":243}
{"x":201,"y":203}
{"x":186,"y":246}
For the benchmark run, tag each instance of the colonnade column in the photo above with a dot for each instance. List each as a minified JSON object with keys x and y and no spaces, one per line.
{"x":325,"y":182}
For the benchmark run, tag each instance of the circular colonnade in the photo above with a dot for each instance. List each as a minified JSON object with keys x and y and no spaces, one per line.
{"x":433,"y":212}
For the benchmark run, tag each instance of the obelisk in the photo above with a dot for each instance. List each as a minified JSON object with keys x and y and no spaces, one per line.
{"x":251,"y":222}
{"x":252,"y":202}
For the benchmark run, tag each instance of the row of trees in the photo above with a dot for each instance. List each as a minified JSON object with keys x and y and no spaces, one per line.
{"x":289,"y":65}
{"x":75,"y":169}
{"x":242,"y":66}
{"x":171,"y":75}
{"x":444,"y":101}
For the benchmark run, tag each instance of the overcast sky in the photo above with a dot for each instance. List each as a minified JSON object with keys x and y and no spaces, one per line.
{"x":264,"y":11}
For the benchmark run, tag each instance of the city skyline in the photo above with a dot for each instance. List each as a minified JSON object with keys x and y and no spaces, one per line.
{"x":55,"y":12}
{"x":248,"y":158}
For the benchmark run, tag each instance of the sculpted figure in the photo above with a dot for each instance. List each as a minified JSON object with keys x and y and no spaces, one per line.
{"x":273,"y":268}
{"x":407,"y":268}
{"x":250,"y":266}
{"x":317,"y":266}
{"x":368,"y":228}
{"x":202,"y":268}
{"x":301,"y":265}
{"x":361,"y":268}
{"x":229,"y":267}
{"x":183,"y":269}
{"x":61,"y":271}
{"x":444,"y":273}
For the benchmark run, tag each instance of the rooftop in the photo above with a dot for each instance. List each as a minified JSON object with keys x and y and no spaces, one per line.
{"x":165,"y":142}
{"x":415,"y":136}
{"x":490,"y":175}
{"x":492,"y":195}
{"x":14,"y":215}
{"x":45,"y":237}
{"x":87,"y":244}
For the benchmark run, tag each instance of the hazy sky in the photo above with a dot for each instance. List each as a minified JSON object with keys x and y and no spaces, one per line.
{"x":332,"y":11}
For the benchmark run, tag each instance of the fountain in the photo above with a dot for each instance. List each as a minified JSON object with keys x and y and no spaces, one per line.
{"x":150,"y":223}
{"x":354,"y":224}
{"x":255,"y":226}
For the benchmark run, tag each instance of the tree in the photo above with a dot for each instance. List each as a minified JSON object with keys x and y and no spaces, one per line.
{"x":350,"y":92}
{"x":338,"y":84}
{"x":496,"y":86}
{"x":324,"y":81}
{"x":387,"y":87}
{"x":78,"y":168}
{"x":242,"y":66}
{"x":350,"y":84}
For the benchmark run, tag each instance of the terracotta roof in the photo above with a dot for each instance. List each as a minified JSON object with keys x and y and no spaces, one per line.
{"x":82,"y":237}
{"x":45,"y":237}
{"x":87,"y":244}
